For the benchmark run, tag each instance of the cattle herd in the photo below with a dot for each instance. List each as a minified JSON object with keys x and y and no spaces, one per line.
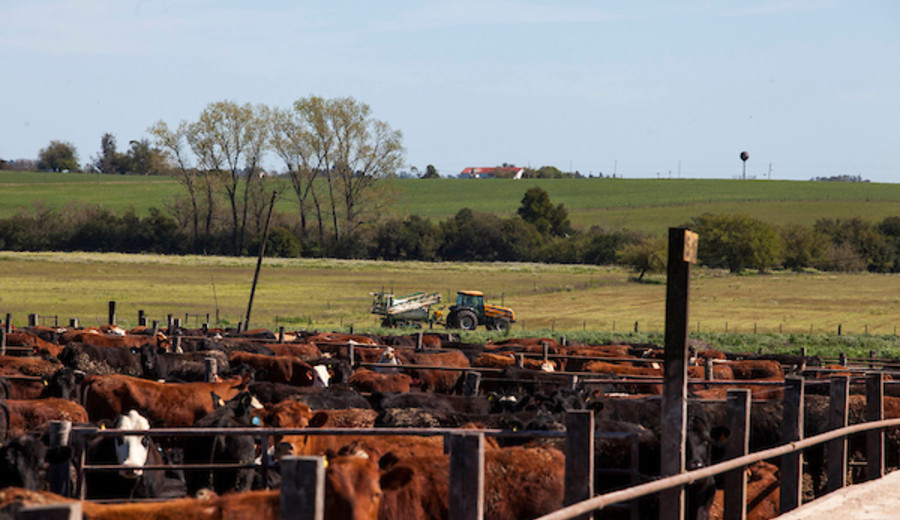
{"x":329,"y":391}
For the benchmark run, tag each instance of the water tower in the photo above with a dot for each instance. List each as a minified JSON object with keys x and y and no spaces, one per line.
{"x":744,"y":157}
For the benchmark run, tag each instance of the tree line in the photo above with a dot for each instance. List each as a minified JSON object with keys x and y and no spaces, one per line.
{"x":538,"y":232}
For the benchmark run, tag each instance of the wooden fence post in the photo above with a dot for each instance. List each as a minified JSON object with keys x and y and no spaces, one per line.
{"x":351,"y":355}
{"x":520,"y":360}
{"x":871,"y":360}
{"x":8,"y":323}
{"x":472,"y":383}
{"x":708,"y":372}
{"x":842,"y":359}
{"x":142,"y":318}
{"x":2,"y":342}
{"x":875,"y":438}
{"x":466,"y":476}
{"x":682,"y":252}
{"x":73,"y":323}
{"x":738,"y":445}
{"x":792,"y":430}
{"x":281,"y":334}
{"x":58,"y":475}
{"x":33,"y":320}
{"x":67,"y":511}
{"x":302,"y":488}
{"x":111,"y":317}
{"x":579,"y":480}
{"x":836,"y":450}
{"x":212,"y":368}
{"x":419,"y":342}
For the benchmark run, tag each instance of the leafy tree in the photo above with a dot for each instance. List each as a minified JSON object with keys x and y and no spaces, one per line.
{"x":431,"y":172}
{"x":412,"y":238}
{"x":105,"y":162}
{"x":804,"y":246}
{"x":648,"y":255}
{"x":859,"y":236}
{"x":602,"y":244}
{"x":470,"y":236}
{"x":537,"y":209}
{"x":58,"y":156}
{"x":737,"y":242}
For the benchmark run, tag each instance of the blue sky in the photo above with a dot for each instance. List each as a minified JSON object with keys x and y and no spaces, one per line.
{"x":649,"y":88}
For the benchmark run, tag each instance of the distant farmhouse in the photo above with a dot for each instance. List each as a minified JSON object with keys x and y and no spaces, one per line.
{"x":497,"y":172}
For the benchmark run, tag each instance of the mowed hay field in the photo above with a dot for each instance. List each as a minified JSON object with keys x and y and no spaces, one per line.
{"x":650,"y":205}
{"x":333,"y":294}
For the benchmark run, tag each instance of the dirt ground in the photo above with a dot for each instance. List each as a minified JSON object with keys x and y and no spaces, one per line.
{"x":879,"y":500}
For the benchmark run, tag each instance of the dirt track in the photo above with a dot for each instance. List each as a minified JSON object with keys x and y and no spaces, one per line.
{"x":877,"y":500}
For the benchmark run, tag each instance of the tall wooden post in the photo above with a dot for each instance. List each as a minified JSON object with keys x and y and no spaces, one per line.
{"x":579,"y":478}
{"x":682,"y":253}
{"x":302,"y":488}
{"x":875,"y":438}
{"x":466,"y":476}
{"x":836,"y":449}
{"x":111,"y":318}
{"x":738,"y":445}
{"x":792,"y":430}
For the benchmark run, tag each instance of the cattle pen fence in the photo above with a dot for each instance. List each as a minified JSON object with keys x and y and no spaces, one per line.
{"x":303,"y":478}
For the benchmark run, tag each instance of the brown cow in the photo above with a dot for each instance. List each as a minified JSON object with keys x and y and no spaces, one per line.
{"x":352,"y":492}
{"x":304,"y":351}
{"x":507,"y":360}
{"x":35,"y":414}
{"x":26,"y":339}
{"x":519,"y":483}
{"x":14,"y":366}
{"x":167,"y":404}
{"x":275,"y":369}
{"x":763,"y":494}
{"x":365,"y":380}
{"x":113,"y":340}
{"x":442,"y":381}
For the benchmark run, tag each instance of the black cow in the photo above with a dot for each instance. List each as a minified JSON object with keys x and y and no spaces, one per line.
{"x":158,"y":364}
{"x":240,"y":449}
{"x":135,"y":452}
{"x":94,"y":360}
{"x":22,"y":463}
{"x":63,"y":384}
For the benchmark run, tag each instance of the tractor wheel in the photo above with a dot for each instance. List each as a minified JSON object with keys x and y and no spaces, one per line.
{"x":501,"y":324}
{"x":467,"y":320}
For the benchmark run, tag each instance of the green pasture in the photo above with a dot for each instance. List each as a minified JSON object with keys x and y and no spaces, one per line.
{"x":650,"y":205}
{"x":740,"y":312}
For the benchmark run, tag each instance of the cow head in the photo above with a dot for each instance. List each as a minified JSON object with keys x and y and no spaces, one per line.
{"x":389,"y":358}
{"x":63,"y":384}
{"x":22,"y":463}
{"x":132,"y":450}
{"x":321,"y":376}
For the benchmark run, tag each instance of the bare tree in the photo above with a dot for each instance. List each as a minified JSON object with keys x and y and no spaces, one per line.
{"x":338,"y":140}
{"x":229,"y":140}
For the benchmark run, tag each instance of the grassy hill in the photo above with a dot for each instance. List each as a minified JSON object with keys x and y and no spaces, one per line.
{"x":643,"y":204}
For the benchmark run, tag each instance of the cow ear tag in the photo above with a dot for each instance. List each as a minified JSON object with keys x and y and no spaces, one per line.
{"x":256,"y":421}
{"x":46,"y":383}
{"x":221,"y":402}
{"x":102,"y":426}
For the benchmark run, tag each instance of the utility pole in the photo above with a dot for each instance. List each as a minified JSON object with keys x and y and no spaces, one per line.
{"x":262,"y":253}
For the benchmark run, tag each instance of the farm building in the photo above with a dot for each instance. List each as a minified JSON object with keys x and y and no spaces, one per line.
{"x":494,"y":172}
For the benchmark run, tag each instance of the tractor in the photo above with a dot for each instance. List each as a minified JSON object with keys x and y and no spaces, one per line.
{"x":470,"y":311}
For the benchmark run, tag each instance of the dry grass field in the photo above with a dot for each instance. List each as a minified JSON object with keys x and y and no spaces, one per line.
{"x":330,"y":294}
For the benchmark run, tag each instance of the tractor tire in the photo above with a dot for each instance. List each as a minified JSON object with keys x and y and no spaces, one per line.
{"x":466,"y":320}
{"x":501,"y":324}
